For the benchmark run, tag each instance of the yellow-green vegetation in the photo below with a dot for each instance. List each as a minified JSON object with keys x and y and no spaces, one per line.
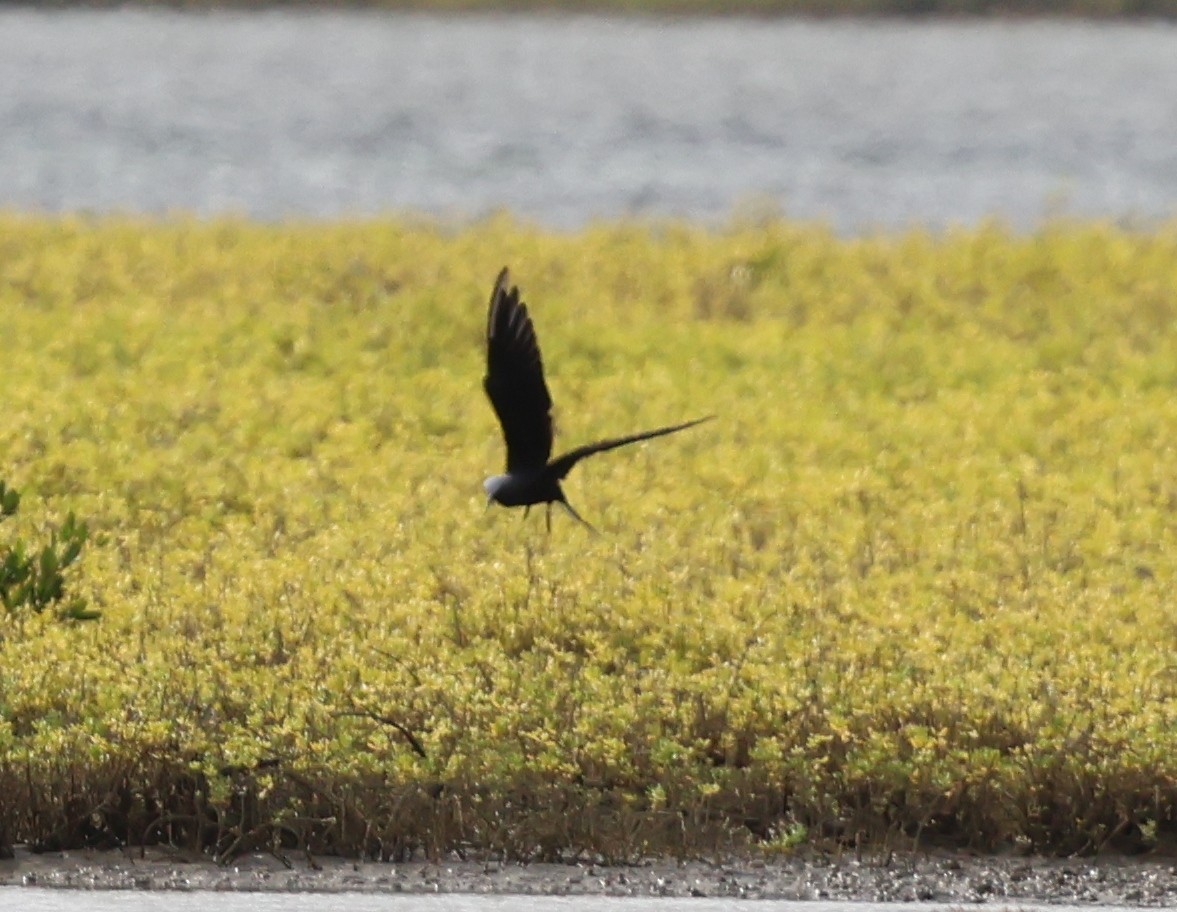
{"x":914,"y":584}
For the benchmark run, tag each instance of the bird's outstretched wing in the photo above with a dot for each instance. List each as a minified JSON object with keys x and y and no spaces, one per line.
{"x":514,"y":380}
{"x":563,"y":465}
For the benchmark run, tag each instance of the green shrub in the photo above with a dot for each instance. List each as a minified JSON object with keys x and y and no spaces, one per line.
{"x":34,"y":579}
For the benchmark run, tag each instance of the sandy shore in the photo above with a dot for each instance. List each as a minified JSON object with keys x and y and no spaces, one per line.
{"x":904,"y":878}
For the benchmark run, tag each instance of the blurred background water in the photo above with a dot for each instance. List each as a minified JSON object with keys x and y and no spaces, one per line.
{"x":33,"y":900}
{"x":562,"y":119}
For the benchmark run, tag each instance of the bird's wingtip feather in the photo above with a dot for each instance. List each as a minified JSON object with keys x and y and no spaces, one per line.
{"x":499,"y":295}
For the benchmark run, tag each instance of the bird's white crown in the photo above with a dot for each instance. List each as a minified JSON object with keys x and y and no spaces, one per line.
{"x":494,"y":484}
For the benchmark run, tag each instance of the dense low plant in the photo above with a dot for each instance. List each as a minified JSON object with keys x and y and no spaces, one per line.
{"x":914,"y":585}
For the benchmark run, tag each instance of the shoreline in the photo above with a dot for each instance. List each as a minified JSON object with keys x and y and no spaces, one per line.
{"x":945,"y":877}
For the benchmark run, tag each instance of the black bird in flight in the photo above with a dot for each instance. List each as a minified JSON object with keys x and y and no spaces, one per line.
{"x":515,"y":384}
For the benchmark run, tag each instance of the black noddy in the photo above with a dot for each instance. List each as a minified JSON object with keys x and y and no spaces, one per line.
{"x":515,"y":384}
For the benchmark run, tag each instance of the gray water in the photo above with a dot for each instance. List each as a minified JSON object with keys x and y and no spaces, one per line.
{"x":19,"y":899}
{"x":563,"y":119}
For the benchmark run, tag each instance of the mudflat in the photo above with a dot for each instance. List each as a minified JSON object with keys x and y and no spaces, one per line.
{"x":938,"y":877}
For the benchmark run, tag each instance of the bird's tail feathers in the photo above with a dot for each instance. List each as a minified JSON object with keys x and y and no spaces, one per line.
{"x":580,"y":519}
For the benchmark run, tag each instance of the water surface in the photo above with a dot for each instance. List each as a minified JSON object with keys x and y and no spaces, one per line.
{"x":563,"y":119}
